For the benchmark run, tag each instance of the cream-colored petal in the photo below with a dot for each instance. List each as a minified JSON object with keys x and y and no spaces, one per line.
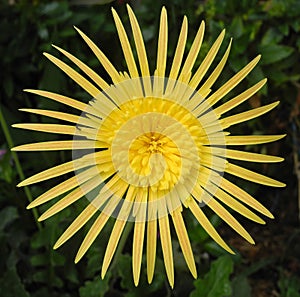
{"x":184,"y":241}
{"x":252,"y":176}
{"x":240,"y":98}
{"x":79,"y":79}
{"x":209,"y":58}
{"x":206,"y":224}
{"x":59,"y":98}
{"x":247,"y":115}
{"x":113,"y":73}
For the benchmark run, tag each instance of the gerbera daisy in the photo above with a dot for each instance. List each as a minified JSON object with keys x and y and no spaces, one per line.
{"x":146,"y":147}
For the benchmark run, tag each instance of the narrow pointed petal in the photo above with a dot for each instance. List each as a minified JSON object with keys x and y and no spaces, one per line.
{"x":162,"y":44}
{"x":72,"y":197}
{"x":247,"y":115}
{"x":244,"y":197}
{"x":59,"y":98}
{"x":128,"y":55}
{"x":48,"y":128}
{"x":206,"y":224}
{"x":137,"y":250}
{"x":53,"y":114}
{"x":113,"y":73}
{"x":229,"y":219}
{"x":65,"y":186}
{"x":251,"y":139}
{"x":184,"y":241}
{"x":59,"y":145}
{"x":252,"y":176}
{"x":166,"y":244}
{"x":177,"y":60}
{"x":151,"y":248}
{"x":79,"y":79}
{"x":94,"y":231}
{"x":76,"y":225}
{"x":209,"y":58}
{"x":139,"y":43}
{"x":112,"y":245}
{"x":240,"y":98}
{"x":237,"y":206}
{"x":205,"y":88}
{"x":192,"y":55}
{"x":231,"y":83}
{"x":251,"y":157}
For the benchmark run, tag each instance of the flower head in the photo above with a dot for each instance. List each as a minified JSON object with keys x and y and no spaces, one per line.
{"x":147,"y":146}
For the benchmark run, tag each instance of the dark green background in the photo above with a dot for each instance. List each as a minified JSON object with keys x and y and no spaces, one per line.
{"x":29,"y":266}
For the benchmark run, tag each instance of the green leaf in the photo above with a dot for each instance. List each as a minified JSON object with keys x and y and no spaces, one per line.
{"x":241,"y":287}
{"x":216,"y":281}
{"x":95,"y":288}
{"x":8,"y":215}
{"x":272,"y":53}
{"x":236,"y":28}
{"x":11,"y":285}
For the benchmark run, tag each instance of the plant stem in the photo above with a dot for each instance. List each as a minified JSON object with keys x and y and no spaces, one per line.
{"x":18,"y":165}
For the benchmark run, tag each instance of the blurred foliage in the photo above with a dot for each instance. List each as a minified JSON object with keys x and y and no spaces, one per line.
{"x":29,"y":266}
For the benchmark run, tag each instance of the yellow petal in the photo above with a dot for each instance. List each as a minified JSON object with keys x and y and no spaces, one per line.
{"x":229,"y":219}
{"x":151,"y":248}
{"x":177,"y":60}
{"x":125,"y":46}
{"x":166,"y":244}
{"x":192,"y":55}
{"x":205,"y":88}
{"x":79,"y":79}
{"x":87,"y":70}
{"x":247,"y":115}
{"x":237,"y":206}
{"x":244,"y":197}
{"x":137,"y":250}
{"x":59,"y":98}
{"x":72,"y":197}
{"x":113,"y":73}
{"x":54,"y":114}
{"x":250,"y":139}
{"x":209,"y":58}
{"x":184,"y":241}
{"x":76,"y":225}
{"x":59,"y":145}
{"x":65,"y":186}
{"x":162,"y":44}
{"x":252,"y":176}
{"x":231,"y":83}
{"x":206,"y":224}
{"x":240,"y":98}
{"x":251,"y":157}
{"x":49,"y":128}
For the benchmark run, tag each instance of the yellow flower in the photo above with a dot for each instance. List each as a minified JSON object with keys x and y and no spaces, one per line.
{"x":147,"y":146}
